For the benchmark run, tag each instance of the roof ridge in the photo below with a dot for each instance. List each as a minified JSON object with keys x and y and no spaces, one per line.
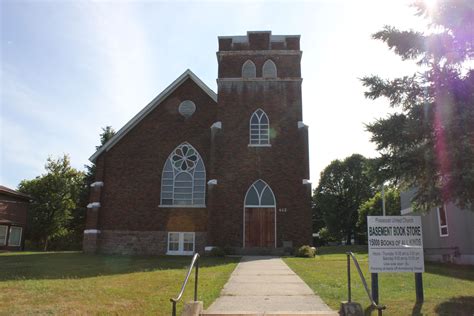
{"x":151,"y":106}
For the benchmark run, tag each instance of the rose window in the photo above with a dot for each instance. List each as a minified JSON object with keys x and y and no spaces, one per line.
{"x":184,"y":158}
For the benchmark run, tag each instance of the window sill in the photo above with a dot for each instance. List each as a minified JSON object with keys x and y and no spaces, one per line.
{"x":260,"y":145}
{"x":179,"y":253}
{"x":182,"y":206}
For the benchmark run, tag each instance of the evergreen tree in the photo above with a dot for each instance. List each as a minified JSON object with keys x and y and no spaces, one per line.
{"x":429,"y":142}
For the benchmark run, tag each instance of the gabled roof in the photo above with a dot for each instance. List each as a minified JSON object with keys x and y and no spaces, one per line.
{"x":8,"y":191}
{"x":188,"y":74}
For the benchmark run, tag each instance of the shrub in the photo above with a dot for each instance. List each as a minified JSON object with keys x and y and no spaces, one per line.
{"x":306,"y":252}
{"x":217,"y":252}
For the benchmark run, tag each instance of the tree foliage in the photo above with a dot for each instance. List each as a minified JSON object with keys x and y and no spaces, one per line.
{"x":107,"y":133}
{"x":55,"y":197}
{"x":343,"y":186}
{"x":429,"y":142}
{"x":373,"y":207}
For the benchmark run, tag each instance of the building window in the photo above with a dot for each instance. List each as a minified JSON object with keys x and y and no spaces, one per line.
{"x":443,"y":221}
{"x":183,"y":181}
{"x":259,"y":129}
{"x":269,"y":69}
{"x":3,"y":235}
{"x":249,"y":70}
{"x":181,"y":243}
{"x":14,"y":238}
{"x":187,"y":108}
{"x":260,"y":195}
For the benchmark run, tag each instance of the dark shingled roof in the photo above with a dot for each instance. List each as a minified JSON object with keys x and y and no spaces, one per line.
{"x":8,"y":191}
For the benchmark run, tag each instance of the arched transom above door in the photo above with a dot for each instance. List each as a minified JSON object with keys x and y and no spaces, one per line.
{"x":260,"y":195}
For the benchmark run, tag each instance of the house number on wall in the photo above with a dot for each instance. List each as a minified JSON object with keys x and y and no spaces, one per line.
{"x":282,"y":210}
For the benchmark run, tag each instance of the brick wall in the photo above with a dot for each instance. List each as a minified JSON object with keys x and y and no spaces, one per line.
{"x":283,"y":165}
{"x":130,"y":219}
{"x":13,"y":209}
{"x":141,"y":242}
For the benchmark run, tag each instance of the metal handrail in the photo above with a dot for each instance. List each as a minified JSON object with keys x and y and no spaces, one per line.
{"x":356,"y":263}
{"x":194,"y":262}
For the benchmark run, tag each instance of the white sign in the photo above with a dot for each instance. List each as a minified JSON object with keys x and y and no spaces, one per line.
{"x":395,"y":244}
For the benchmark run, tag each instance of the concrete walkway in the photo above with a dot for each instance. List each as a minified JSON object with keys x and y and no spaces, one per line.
{"x":267,"y":284}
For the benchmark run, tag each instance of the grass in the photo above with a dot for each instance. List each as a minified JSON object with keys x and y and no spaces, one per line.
{"x":76,"y":283}
{"x":448,"y":289}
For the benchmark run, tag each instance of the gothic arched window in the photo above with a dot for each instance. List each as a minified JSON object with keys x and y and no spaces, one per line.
{"x":269,"y":69}
{"x":249,"y":70}
{"x":259,"y":128}
{"x":183,"y":181}
{"x":260,"y":195}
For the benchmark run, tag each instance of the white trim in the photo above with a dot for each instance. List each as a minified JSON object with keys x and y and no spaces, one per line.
{"x":93,"y":205}
{"x":91,"y":231}
{"x":217,"y":125}
{"x":259,"y":206}
{"x":97,"y":184}
{"x":269,"y":69}
{"x":301,"y":125}
{"x":259,"y":145}
{"x":440,"y":227}
{"x":6,"y":233}
{"x":10,"y":234}
{"x":258,"y":129}
{"x":212,"y":182}
{"x":406,"y":211}
{"x":191,"y":172}
{"x":188,"y":74}
{"x":182,"y":206}
{"x":180,"y":251}
{"x":248,"y":69}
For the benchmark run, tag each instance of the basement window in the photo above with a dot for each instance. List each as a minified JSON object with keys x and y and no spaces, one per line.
{"x":181,"y":243}
{"x":443,"y":221}
{"x":3,"y":235}
{"x":14,"y":238}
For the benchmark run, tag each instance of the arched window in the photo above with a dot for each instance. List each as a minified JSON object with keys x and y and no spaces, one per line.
{"x":260,"y":195}
{"x":269,"y":69}
{"x":249,"y":70}
{"x":259,"y":128}
{"x":183,"y":181}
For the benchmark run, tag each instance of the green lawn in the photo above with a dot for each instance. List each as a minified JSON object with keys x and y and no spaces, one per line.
{"x":75,"y":283}
{"x":448,"y":289}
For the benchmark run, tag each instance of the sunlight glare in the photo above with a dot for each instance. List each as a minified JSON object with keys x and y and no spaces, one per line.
{"x":430,"y":4}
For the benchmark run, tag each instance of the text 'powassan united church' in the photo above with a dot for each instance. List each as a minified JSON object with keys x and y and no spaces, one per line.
{"x":195,"y":168}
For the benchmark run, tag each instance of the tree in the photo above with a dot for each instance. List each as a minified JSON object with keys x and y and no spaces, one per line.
{"x":429,"y":142}
{"x":343,"y":187}
{"x":107,"y":133}
{"x":373,"y":207}
{"x":55,"y":195}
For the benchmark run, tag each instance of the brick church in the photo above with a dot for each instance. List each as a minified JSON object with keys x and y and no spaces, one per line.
{"x":195,"y":168}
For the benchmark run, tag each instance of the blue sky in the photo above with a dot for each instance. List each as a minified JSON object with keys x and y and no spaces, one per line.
{"x":69,"y":68}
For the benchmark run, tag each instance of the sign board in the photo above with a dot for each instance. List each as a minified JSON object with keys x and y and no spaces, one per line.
{"x":395,"y":244}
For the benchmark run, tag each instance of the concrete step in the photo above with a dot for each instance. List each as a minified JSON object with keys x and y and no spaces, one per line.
{"x":258,"y":251}
{"x":301,"y":313}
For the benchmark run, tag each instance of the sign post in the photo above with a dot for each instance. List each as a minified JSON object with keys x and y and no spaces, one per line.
{"x":396,"y":245}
